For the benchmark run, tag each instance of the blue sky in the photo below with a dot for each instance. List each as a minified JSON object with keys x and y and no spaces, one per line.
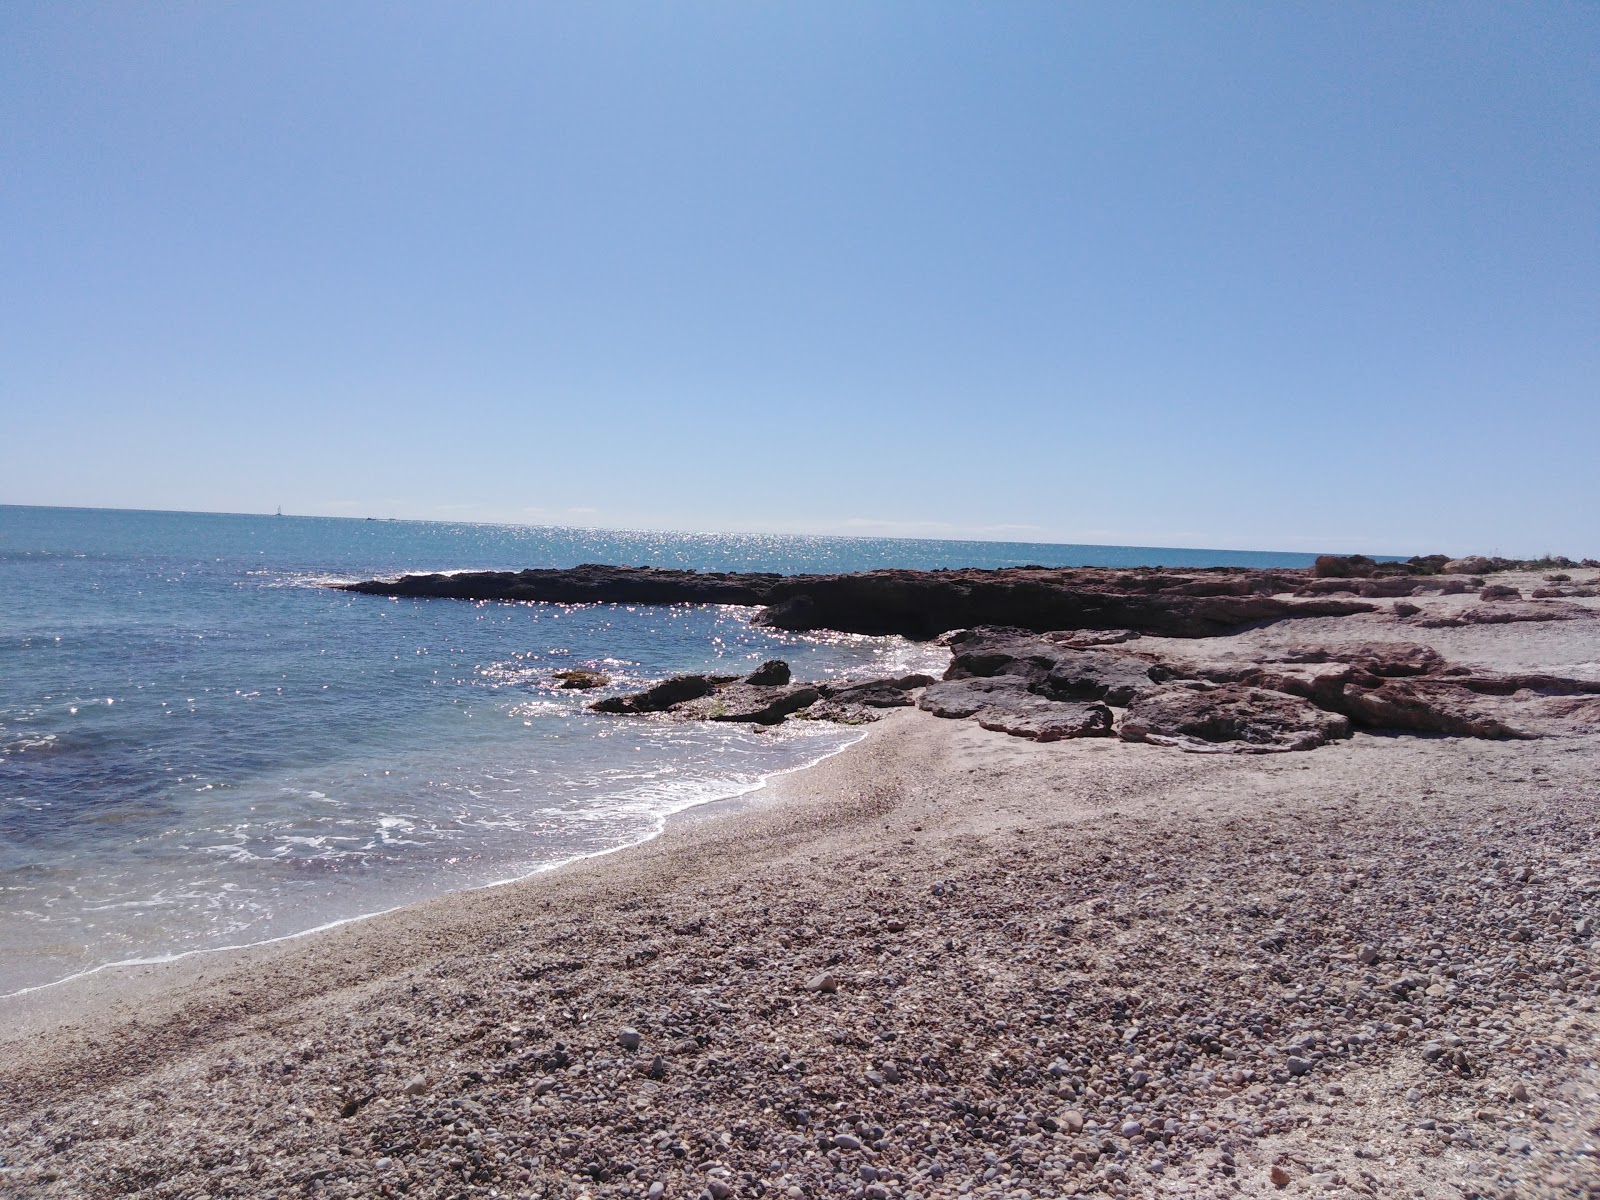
{"x":1279,"y":276}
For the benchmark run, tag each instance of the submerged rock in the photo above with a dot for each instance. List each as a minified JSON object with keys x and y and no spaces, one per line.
{"x":580,"y":679}
{"x":660,"y":697}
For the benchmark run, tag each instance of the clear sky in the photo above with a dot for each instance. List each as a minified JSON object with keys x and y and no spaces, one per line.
{"x":1269,"y":275}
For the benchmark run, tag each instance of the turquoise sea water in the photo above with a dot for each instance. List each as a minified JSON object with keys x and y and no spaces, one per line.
{"x":201,"y":745}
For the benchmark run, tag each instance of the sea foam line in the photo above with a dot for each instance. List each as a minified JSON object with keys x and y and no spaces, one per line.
{"x":659,"y":828}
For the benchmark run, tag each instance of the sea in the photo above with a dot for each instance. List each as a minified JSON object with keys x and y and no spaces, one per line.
{"x":204,"y":746}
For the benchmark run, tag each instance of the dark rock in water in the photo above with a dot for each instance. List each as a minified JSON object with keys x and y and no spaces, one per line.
{"x":756,"y":704}
{"x":580,"y":679}
{"x":874,"y":693}
{"x":1343,"y":566}
{"x":1230,"y":718}
{"x":839,"y":713}
{"x":588,"y":584}
{"x":917,"y":604}
{"x":660,"y":697}
{"x":772,"y":673}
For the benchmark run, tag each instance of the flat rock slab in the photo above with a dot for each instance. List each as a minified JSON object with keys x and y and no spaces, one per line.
{"x":1505,"y":612}
{"x":959,"y":698}
{"x":1003,"y":703}
{"x":1043,"y":720}
{"x":1430,"y":706}
{"x":1232,"y":718}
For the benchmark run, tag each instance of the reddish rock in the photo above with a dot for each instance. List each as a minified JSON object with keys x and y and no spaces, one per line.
{"x":1427,"y":706}
{"x":1231,"y":718}
{"x":1343,"y":566}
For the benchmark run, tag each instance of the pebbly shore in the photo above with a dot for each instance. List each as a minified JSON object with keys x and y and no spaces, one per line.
{"x":947,"y":962}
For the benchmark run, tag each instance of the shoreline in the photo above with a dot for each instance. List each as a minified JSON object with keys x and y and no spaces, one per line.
{"x":30,"y":1011}
{"x":944,"y":962}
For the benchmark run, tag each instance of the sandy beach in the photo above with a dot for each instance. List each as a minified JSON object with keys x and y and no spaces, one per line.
{"x":944,"y":962}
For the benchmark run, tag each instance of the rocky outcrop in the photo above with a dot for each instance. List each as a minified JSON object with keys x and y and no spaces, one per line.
{"x":1343,"y":566}
{"x":1505,"y":612}
{"x":875,"y":693}
{"x":747,"y":703}
{"x":1425,"y":706}
{"x":765,"y":697}
{"x":1005,"y":704}
{"x":1233,"y":718}
{"x":918,"y":604}
{"x":1046,"y":721}
{"x":924,"y":604}
{"x":772,"y":673}
{"x":591,"y":583}
{"x":580,"y":679}
{"x":1294,"y":699}
{"x":669,"y":692}
{"x":1054,"y":670}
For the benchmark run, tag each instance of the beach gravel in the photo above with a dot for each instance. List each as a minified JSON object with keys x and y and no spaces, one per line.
{"x":1086,"y":967}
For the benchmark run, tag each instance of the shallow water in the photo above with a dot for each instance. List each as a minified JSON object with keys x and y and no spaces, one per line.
{"x":201,"y":745}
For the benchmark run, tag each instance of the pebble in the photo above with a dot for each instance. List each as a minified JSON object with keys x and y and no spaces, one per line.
{"x":718,"y":1188}
{"x":1280,"y":1177}
{"x":416,"y":1085}
{"x":1132,"y":1129}
{"x":630,"y":1039}
{"x":1072,"y":1119}
{"x":822,"y":983}
{"x":657,"y":1190}
{"x":845,"y":1141}
{"x":1298,"y":1066}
